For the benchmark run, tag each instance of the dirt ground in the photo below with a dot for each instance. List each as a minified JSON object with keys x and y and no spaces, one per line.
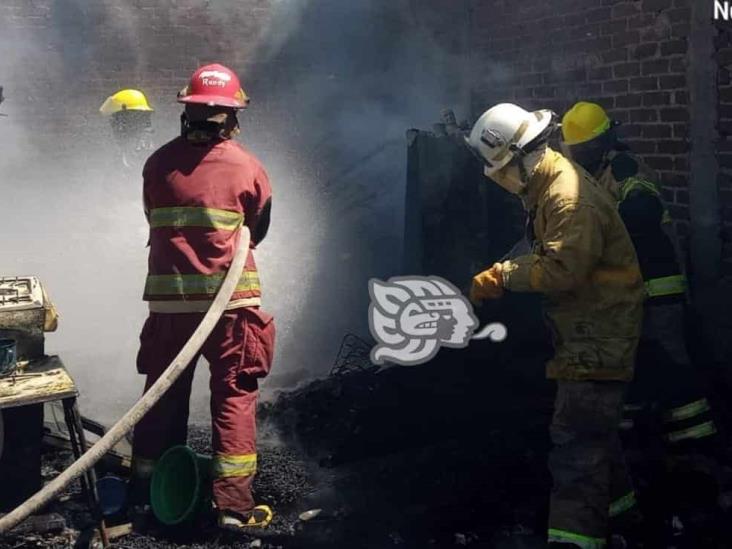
{"x":450,"y":454}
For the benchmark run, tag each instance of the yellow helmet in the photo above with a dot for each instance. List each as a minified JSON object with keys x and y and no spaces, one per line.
{"x":125,"y":100}
{"x":584,"y":122}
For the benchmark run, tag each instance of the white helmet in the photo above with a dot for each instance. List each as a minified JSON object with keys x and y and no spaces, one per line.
{"x":505,"y":130}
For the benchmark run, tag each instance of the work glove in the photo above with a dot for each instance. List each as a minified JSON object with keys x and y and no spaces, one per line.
{"x":487,"y":285}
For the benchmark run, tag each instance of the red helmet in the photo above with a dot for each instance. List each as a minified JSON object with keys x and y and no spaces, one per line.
{"x":216,"y":86}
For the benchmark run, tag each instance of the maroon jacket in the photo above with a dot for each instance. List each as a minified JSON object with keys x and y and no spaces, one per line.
{"x":196,"y":197}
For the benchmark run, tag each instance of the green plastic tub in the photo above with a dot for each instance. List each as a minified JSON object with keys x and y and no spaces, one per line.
{"x":181,"y":486}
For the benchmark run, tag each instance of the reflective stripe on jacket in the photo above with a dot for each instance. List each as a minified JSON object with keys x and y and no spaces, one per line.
{"x":196,"y":199}
{"x":584,"y":262}
{"x":644,"y":212}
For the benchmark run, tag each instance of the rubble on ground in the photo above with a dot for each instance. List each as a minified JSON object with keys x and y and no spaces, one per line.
{"x":444,"y":455}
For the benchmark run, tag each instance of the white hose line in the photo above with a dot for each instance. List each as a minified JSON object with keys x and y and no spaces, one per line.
{"x":135,"y":414}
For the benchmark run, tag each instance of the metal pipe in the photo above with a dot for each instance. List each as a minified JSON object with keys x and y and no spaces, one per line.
{"x":147,"y":401}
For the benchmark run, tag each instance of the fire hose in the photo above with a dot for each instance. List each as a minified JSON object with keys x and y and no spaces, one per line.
{"x":147,"y":401}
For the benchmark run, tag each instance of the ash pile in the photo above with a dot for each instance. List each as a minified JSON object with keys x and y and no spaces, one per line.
{"x":447,"y":454}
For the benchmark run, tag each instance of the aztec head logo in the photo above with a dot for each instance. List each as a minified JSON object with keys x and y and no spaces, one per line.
{"x":412,"y":317}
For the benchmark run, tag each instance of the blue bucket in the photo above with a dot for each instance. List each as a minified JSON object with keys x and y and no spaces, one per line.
{"x":112,"y":494}
{"x":7,"y":356}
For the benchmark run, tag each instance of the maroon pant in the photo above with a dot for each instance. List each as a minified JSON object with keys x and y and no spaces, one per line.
{"x":239,"y":351}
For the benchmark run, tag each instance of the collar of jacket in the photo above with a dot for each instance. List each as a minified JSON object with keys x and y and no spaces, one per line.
{"x":543,"y":175}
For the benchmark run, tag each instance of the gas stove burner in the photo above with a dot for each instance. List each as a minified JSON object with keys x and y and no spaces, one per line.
{"x":20,"y":292}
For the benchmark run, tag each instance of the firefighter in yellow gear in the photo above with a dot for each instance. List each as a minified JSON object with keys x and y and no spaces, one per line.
{"x":676,"y":410}
{"x":130,"y":116}
{"x":582,"y":260}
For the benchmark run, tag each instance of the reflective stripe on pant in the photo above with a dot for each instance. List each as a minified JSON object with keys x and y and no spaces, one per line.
{"x":667,"y":381}
{"x":689,"y":422}
{"x":583,"y":542}
{"x":586,"y":463}
{"x":239,"y":351}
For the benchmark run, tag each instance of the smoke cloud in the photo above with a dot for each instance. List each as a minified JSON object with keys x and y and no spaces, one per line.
{"x":335,"y":85}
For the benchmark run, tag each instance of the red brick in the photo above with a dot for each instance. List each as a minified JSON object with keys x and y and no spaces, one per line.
{"x":681,"y":164}
{"x":660,"y":162}
{"x":682,"y":229}
{"x":724,"y":144}
{"x":544,"y":91}
{"x":642,"y":147}
{"x":725,"y":197}
{"x":630,"y":130}
{"x":725,"y":94}
{"x":672,"y":82}
{"x":656,"y":5}
{"x":656,"y":131}
{"x":678,"y":65}
{"x":724,"y":180}
{"x":682,"y":197}
{"x":574,"y":76}
{"x":668,"y":195}
{"x":573,"y":19}
{"x":672,"y":47}
{"x":653,"y":99}
{"x":628,"y":38}
{"x":621,"y":116}
{"x":615,"y":55}
{"x":590,"y":90}
{"x":681,"y":15}
{"x":724,"y":127}
{"x":613,"y":27}
{"x":607,"y":102}
{"x":724,"y":56}
{"x":615,"y":86}
{"x":531,"y":79}
{"x":625,"y":9}
{"x":681,"y":98}
{"x":673,"y":147}
{"x":680,"y":30}
{"x":599,"y":73}
{"x":598,"y":14}
{"x":681,"y":131}
{"x":657,"y":66}
{"x":640,"y":21}
{"x":678,"y":212}
{"x":725,"y":111}
{"x":630,"y":100}
{"x":644,"y":83}
{"x":723,"y":77}
{"x":675,"y":180}
{"x":644,"y":51}
{"x":674,"y":115}
{"x":643,"y":115}
{"x":627,"y":69}
{"x":725,"y":160}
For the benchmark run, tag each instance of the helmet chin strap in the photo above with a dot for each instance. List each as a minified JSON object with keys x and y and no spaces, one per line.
{"x":204,"y":131}
{"x":528,"y":162}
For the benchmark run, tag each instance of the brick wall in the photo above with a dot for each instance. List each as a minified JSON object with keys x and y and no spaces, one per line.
{"x":62,"y":58}
{"x":629,"y":56}
{"x":723,"y":45}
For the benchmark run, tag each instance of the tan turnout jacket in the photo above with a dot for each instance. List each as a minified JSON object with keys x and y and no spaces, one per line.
{"x":584,"y":262}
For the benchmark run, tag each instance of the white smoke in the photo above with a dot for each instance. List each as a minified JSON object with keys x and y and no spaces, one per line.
{"x":335,"y":85}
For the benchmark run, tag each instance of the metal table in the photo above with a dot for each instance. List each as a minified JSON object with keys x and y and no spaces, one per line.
{"x":47,"y":380}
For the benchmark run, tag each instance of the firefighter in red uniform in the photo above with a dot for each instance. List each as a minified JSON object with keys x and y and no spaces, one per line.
{"x":198,"y":190}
